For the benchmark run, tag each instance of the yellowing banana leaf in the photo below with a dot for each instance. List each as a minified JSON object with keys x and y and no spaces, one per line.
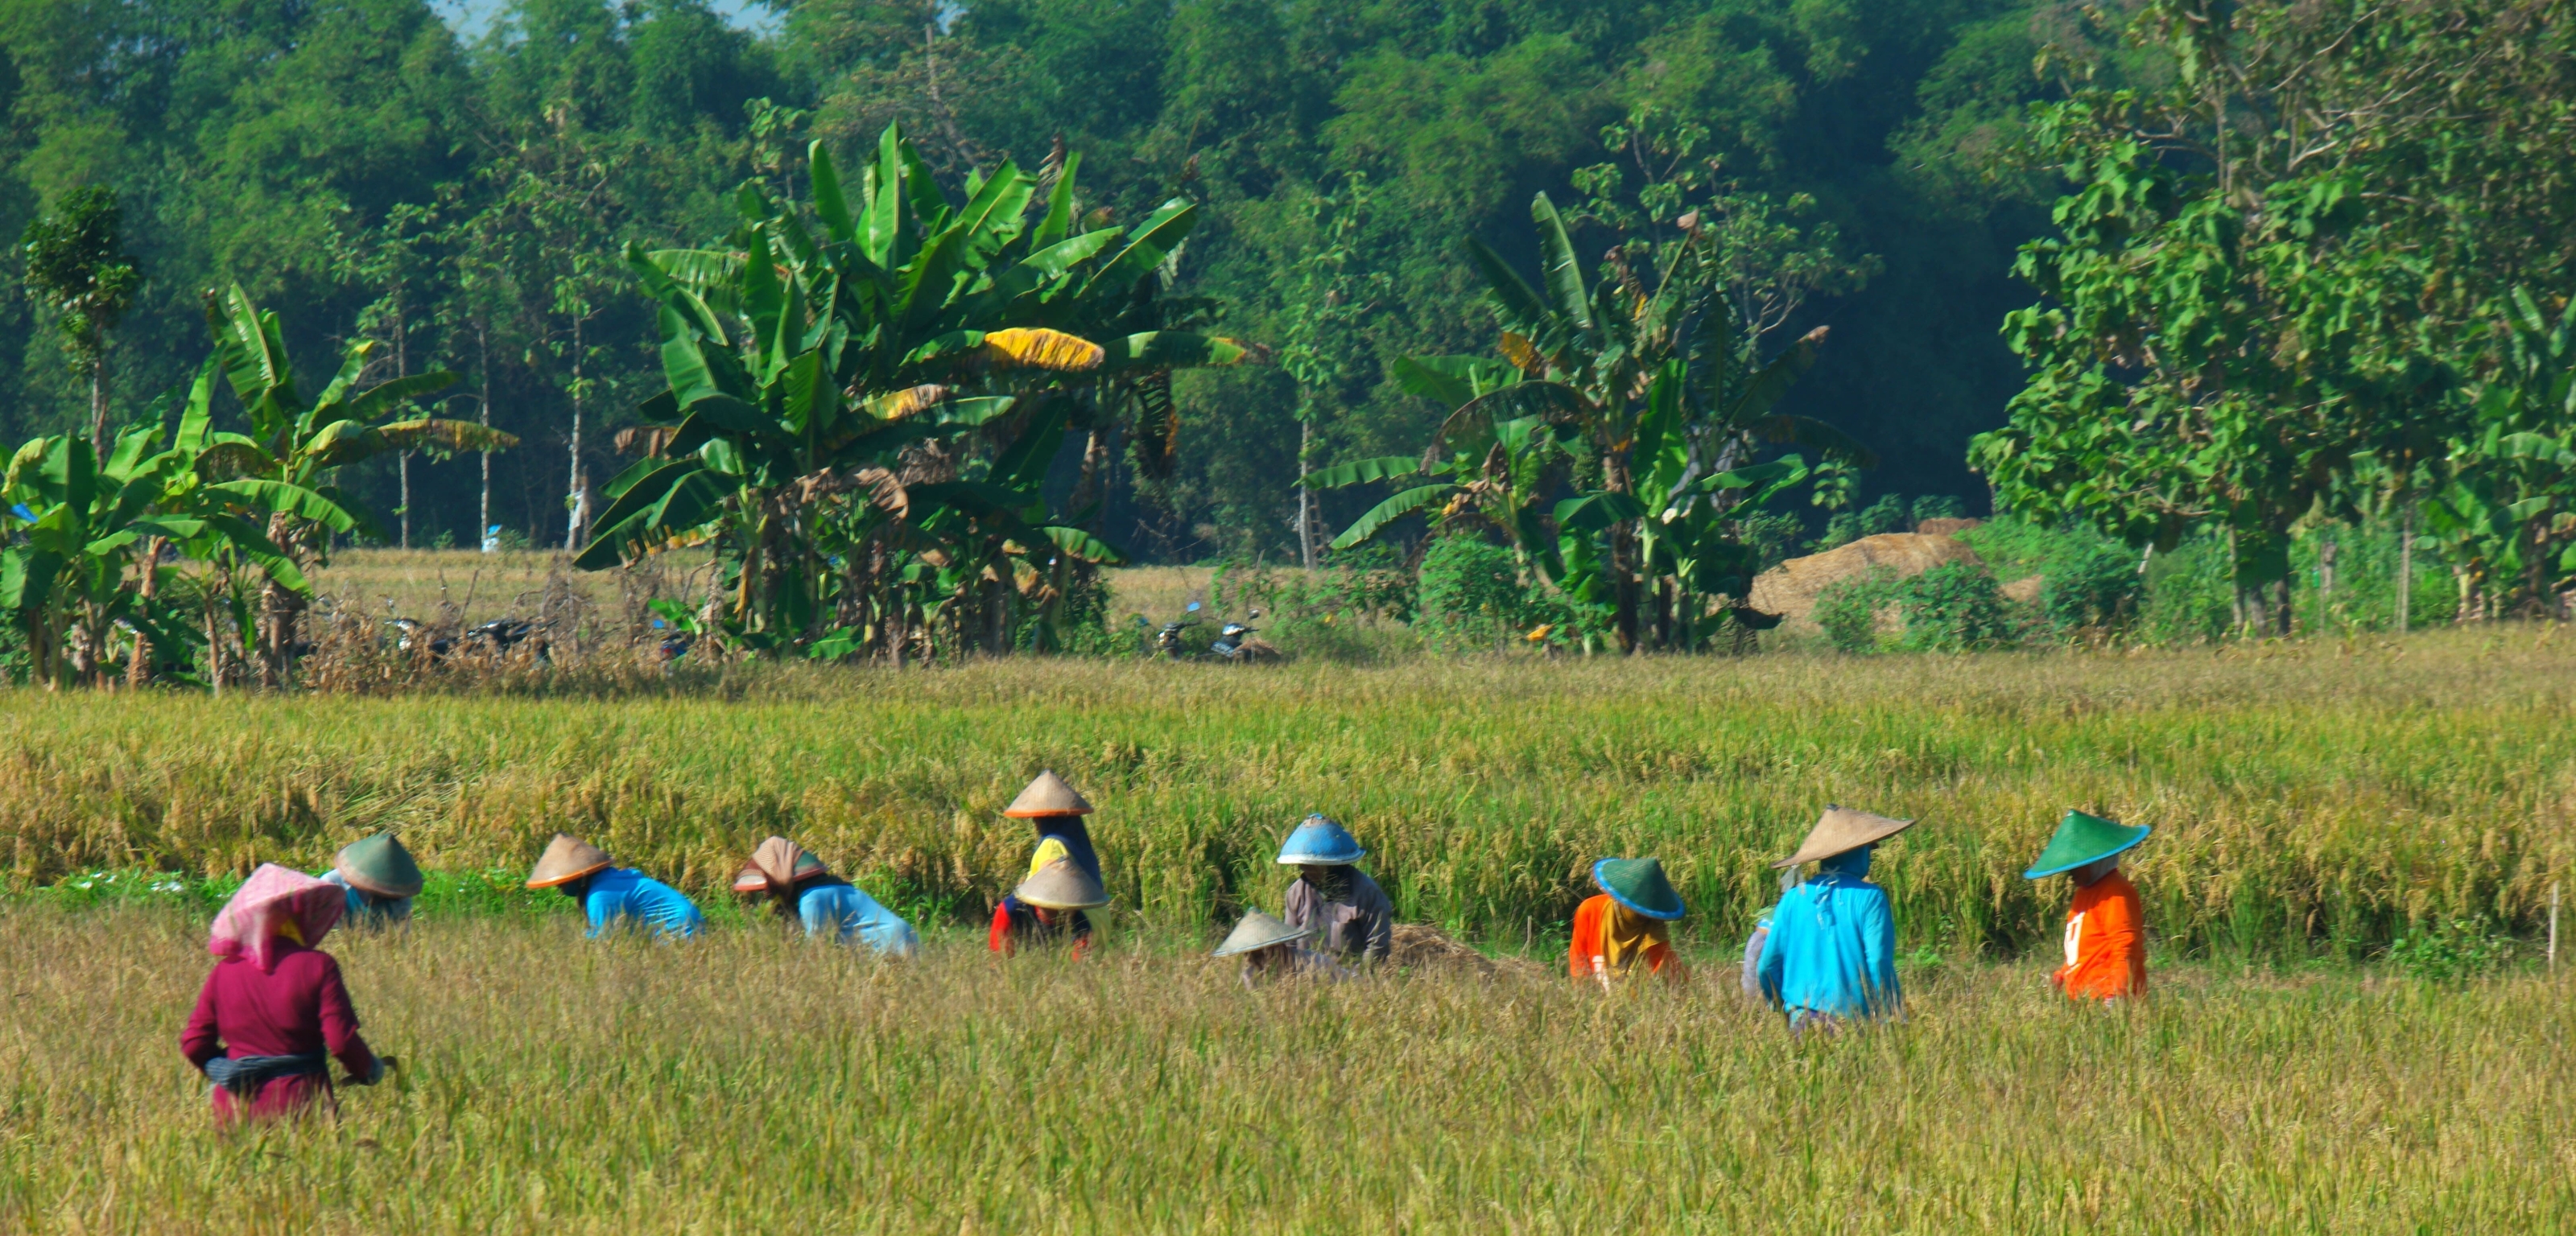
{"x":1042,"y":349}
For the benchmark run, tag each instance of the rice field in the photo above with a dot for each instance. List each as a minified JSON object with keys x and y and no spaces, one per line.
{"x":2314,"y":799}
{"x":748,"y":1083}
{"x":2314,"y":802}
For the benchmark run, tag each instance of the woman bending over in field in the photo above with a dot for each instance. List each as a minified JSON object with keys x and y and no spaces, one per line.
{"x":614,"y":896}
{"x":1831,"y":954}
{"x":380,"y":879}
{"x":1627,"y":924}
{"x":1272,"y":949}
{"x":1348,"y":913}
{"x":1050,"y":907}
{"x":1063,"y":839}
{"x":273,"y":1013}
{"x":797,"y":884}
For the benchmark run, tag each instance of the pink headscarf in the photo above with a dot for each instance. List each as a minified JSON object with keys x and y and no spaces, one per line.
{"x":272,"y":900}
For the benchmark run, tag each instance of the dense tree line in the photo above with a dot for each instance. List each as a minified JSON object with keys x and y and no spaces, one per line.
{"x":367,"y":173}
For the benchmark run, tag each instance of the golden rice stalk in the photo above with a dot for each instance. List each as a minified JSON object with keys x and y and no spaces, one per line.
{"x":1043,"y":349}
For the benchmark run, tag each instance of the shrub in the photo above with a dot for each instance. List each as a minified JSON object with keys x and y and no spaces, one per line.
{"x":1848,"y":609}
{"x":2451,"y":949}
{"x":1938,"y":506}
{"x":1471,"y":594}
{"x":1954,"y":607}
{"x":2091,"y":586}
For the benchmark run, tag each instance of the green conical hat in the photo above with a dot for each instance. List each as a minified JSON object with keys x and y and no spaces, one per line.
{"x":1639,"y":884}
{"x":2082,"y":839}
{"x":379,"y":865}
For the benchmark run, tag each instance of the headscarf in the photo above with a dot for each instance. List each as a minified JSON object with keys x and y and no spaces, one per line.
{"x":1071,"y":832}
{"x":1626,"y":935}
{"x":1851,"y":865}
{"x":783,"y":869}
{"x":1331,"y":882}
{"x":276,"y":902}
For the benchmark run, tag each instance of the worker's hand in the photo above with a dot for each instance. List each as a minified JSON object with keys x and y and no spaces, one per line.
{"x":1601,"y":971}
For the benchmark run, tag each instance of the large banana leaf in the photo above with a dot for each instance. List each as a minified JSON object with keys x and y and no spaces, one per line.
{"x":447,"y":435}
{"x":281,"y":498}
{"x":1171,"y":349}
{"x":1559,"y":269}
{"x":1364,"y":471}
{"x":1152,"y":241}
{"x":1083,"y":545}
{"x":1397,"y":507}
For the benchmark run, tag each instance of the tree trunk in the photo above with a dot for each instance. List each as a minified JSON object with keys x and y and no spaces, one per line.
{"x":1305,"y":496}
{"x":139,"y":670}
{"x":580,"y":495}
{"x":402,"y":368}
{"x":2405,"y":568}
{"x":483,"y":508}
{"x":280,"y":612}
{"x":98,"y":395}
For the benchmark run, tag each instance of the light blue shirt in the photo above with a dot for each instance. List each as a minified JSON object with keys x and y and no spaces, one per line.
{"x":367,"y":909}
{"x":842,"y":912}
{"x":1832,"y":947}
{"x":623,"y":893}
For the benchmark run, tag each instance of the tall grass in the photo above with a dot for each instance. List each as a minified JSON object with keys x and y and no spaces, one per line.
{"x":2308,"y":798}
{"x":749,"y":1084}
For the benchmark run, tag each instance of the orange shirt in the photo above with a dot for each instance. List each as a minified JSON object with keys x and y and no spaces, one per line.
{"x":2106,"y":943}
{"x":1590,"y":920}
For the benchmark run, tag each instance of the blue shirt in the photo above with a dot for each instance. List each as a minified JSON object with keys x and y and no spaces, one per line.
{"x":367,"y":909}
{"x":1833,"y":949}
{"x":842,"y":912}
{"x":625,"y":893}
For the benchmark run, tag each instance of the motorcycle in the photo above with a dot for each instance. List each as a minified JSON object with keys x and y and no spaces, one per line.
{"x":1235,"y":644}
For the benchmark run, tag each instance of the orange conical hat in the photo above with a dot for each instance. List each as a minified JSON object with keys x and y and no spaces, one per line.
{"x":1048,"y":795}
{"x":567,"y":858}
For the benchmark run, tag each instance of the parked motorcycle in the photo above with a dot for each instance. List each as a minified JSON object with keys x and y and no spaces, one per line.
{"x":1235,"y":644}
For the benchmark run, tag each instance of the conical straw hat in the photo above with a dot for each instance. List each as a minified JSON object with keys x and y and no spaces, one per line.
{"x":1843,"y":829}
{"x":1639,"y":884}
{"x":1048,"y":795}
{"x":379,"y":865}
{"x":567,"y":858}
{"x":778,"y":863}
{"x":2082,"y":839}
{"x":1060,"y":885}
{"x":1259,"y":930}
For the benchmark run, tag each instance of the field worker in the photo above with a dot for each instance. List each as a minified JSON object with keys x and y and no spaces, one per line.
{"x":2106,"y":943}
{"x":1628,"y":922}
{"x":380,"y":880}
{"x":797,"y":883}
{"x":1057,"y":811}
{"x":613,"y":895}
{"x":1348,"y":913}
{"x":1831,"y":955}
{"x":1049,"y":907}
{"x":273,"y":1013}
{"x":1273,"y":949}
{"x":1749,"y":977}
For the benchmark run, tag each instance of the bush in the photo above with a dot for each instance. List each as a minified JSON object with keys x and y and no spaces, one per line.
{"x":1848,"y":609}
{"x":1471,"y":595}
{"x":1938,"y":506}
{"x":2089,"y":587}
{"x":1954,"y":607}
{"x":2451,"y":949}
{"x":1951,"y":608}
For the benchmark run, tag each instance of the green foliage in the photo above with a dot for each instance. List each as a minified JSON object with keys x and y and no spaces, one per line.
{"x":1848,"y":608}
{"x":2451,"y":949}
{"x":1954,"y":607}
{"x":1472,"y":595}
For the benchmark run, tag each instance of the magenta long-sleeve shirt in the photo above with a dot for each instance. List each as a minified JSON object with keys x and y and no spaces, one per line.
{"x":300,"y":1007}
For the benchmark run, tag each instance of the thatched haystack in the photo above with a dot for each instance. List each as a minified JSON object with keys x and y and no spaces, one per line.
{"x":1790,"y":589}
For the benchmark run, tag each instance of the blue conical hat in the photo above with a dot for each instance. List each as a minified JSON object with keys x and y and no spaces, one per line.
{"x":1320,"y":842}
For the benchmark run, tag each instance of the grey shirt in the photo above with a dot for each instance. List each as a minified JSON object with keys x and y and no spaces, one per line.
{"x":1362,"y":927}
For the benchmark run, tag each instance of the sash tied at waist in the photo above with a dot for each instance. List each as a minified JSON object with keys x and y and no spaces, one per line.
{"x":245,"y":1075}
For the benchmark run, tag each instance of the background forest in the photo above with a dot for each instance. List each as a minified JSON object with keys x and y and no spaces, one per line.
{"x":364,"y":170}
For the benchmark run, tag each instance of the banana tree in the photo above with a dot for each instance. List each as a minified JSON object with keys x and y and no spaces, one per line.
{"x":2508,"y":511}
{"x":1657,"y":401}
{"x":85,"y":557}
{"x":286,"y":464}
{"x":888,"y":394}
